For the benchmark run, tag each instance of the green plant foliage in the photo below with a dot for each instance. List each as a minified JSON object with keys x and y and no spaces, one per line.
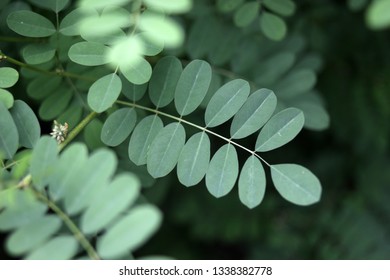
{"x":8,"y":77}
{"x":118,"y":126}
{"x":273,"y":26}
{"x":378,"y":14}
{"x":9,"y":137}
{"x":59,"y":248}
{"x":103,"y":93}
{"x":246,"y":14}
{"x":281,"y":129}
{"x":56,"y":5}
{"x":296,"y":183}
{"x":88,"y":53}
{"x":30,"y":24}
{"x":6,"y":98}
{"x":173,"y":6}
{"x":38,"y":54}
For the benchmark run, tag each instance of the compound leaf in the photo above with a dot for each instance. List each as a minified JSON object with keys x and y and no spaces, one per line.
{"x":296,"y":184}
{"x":165,"y":150}
{"x":280,"y":129}
{"x":142,"y":137}
{"x":130,"y":232}
{"x":226,"y":102}
{"x":223,"y":171}
{"x":255,"y":112}
{"x":192,"y":86}
{"x":30,"y":24}
{"x":118,"y":126}
{"x":104,"y":92}
{"x":252,"y":182}
{"x":194,"y":159}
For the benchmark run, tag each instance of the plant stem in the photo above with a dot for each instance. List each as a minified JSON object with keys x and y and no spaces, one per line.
{"x":155,"y":111}
{"x":43,"y":71}
{"x":78,"y":129}
{"x":71,"y":225}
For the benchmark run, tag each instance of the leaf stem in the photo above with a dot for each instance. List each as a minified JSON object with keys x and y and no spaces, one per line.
{"x":57,"y":72}
{"x":72,"y":134}
{"x":71,"y":226}
{"x":155,"y":111}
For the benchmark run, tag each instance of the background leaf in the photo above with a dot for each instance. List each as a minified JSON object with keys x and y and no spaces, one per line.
{"x":252,"y":182}
{"x":223,"y":171}
{"x":296,"y":183}
{"x":165,"y":150}
{"x":62,"y":247}
{"x":226,"y":102}
{"x":247,"y":13}
{"x":54,"y":5}
{"x":130,"y":232}
{"x":194,"y":159}
{"x":104,"y":92}
{"x":30,"y":24}
{"x":9,"y":137}
{"x":273,"y":26}
{"x":192,"y":86}
{"x":38,"y":53}
{"x":173,"y":6}
{"x":43,"y":161}
{"x":6,"y":98}
{"x":8,"y":77}
{"x":255,"y":112}
{"x":118,"y":126}
{"x":282,"y":7}
{"x":110,"y":202}
{"x":280,"y":129}
{"x":27,"y":124}
{"x":142,"y":137}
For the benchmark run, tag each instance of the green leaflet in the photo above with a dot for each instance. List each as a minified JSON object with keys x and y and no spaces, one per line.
{"x":6,"y":98}
{"x":164,"y":79}
{"x":272,"y":69}
{"x":226,"y":6}
{"x":296,"y":83}
{"x":255,"y":112}
{"x":92,"y":134}
{"x":38,"y":53}
{"x":138,"y":72}
{"x":88,"y":53}
{"x":246,"y":14}
{"x":9,"y":137}
{"x":280,"y":129}
{"x":21,"y":210}
{"x":194,"y":159}
{"x":226,"y":102}
{"x":8,"y":77}
{"x":30,"y":24}
{"x":62,"y":247}
{"x":119,"y":55}
{"x":165,"y":150}
{"x":71,"y":160}
{"x":41,"y":87}
{"x":27,"y":124}
{"x":118,"y":126}
{"x":54,"y":5}
{"x":160,"y":29}
{"x":192,"y":86}
{"x":282,"y":7}
{"x":296,"y":183}
{"x":99,"y":4}
{"x":172,"y":6}
{"x":93,"y":176}
{"x":273,"y":26}
{"x":130,"y":232}
{"x":132,"y":91}
{"x":225,"y":45}
{"x":30,"y":236}
{"x":150,"y":48}
{"x":316,"y":117}
{"x":43,"y":161}
{"x":70,"y":24}
{"x":104,"y":92}
{"x":109,"y":202}
{"x":142,"y":137}
{"x":55,"y":104}
{"x":223,"y":171}
{"x":252,"y":182}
